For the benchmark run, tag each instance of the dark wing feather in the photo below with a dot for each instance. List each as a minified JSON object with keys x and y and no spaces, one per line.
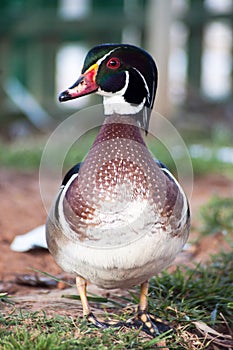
{"x":70,"y":173}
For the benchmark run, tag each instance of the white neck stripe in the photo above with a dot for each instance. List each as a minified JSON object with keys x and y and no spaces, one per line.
{"x":145,"y":83}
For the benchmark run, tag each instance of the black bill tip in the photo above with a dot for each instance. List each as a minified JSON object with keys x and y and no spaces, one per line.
{"x":64,"y":96}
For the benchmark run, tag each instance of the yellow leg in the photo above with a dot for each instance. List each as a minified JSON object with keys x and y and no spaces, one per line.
{"x":143,"y":316}
{"x":143,"y":303}
{"x":82,"y":289}
{"x":150,"y":324}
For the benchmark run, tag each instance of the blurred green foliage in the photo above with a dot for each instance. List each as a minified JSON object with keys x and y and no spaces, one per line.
{"x":217,"y":215}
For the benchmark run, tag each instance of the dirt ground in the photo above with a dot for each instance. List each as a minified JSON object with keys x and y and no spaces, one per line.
{"x":21,"y":210}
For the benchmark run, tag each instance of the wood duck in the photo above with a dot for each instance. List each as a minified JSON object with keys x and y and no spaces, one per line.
{"x":120,"y":217}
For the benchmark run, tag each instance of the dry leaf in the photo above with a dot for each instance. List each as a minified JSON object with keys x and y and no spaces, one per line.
{"x":224,"y":340}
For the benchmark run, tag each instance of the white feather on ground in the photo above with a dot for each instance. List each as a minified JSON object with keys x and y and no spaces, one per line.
{"x":30,"y":240}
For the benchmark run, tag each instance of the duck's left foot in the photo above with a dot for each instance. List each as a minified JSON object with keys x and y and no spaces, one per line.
{"x":148,"y":323}
{"x":103,"y":324}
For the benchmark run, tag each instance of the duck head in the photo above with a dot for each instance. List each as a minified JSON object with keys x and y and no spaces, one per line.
{"x":125,"y":75}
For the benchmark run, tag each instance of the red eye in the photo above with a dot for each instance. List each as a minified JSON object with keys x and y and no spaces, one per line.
{"x":113,"y":63}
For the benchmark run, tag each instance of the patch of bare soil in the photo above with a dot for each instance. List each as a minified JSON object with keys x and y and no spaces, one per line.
{"x":21,"y":210}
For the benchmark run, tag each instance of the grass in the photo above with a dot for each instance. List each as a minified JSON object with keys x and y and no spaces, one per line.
{"x":201,"y":293}
{"x":37,"y":332}
{"x":186,"y":298}
{"x":5,"y":298}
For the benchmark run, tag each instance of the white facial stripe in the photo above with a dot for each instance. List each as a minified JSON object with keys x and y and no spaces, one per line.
{"x":145,"y":83}
{"x":100,"y":60}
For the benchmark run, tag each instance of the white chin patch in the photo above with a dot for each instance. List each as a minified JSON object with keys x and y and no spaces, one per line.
{"x":117,"y":104}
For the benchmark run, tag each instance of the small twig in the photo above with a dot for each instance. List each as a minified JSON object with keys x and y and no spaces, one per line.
{"x":227,"y":324}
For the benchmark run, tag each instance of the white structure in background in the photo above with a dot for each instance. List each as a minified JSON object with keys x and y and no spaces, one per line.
{"x":73,"y":9}
{"x":70,"y":57}
{"x":167,"y":42}
{"x":216,"y":60}
{"x":69,"y":63}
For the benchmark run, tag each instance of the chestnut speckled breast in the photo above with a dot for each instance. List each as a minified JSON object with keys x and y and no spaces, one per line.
{"x":116,"y":184}
{"x":120,"y":200}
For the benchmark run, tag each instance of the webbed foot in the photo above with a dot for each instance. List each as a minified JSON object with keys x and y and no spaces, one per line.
{"x":103,"y":324}
{"x":148,"y":323}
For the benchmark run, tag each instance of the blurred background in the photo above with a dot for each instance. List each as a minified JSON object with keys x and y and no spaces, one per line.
{"x":43,"y":45}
